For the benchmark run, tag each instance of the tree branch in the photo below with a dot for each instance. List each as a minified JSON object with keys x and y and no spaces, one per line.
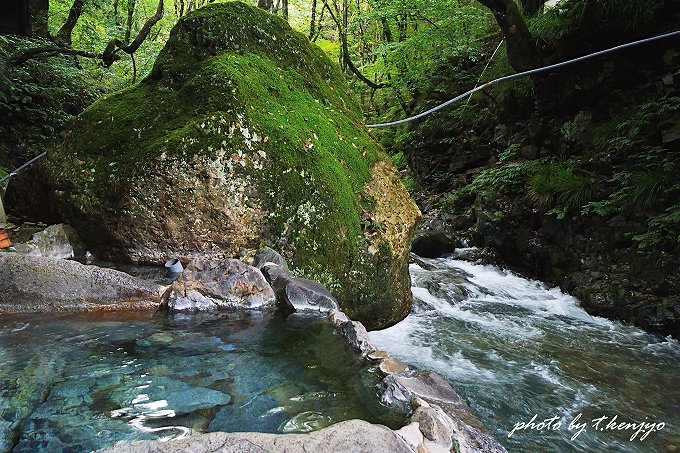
{"x":144,"y":32}
{"x":109,"y":56}
{"x":47,"y":51}
{"x":115,"y":45}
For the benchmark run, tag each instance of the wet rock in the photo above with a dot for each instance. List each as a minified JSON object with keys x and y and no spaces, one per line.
{"x":40,"y":284}
{"x":349,"y":436}
{"x":422,"y":384}
{"x":431,"y":447}
{"x":399,"y":391}
{"x":219,"y":284}
{"x":435,"y":425}
{"x":415,"y":259}
{"x":55,"y":241}
{"x":304,"y":320}
{"x":272,"y":271}
{"x":411,"y":435}
{"x":391,"y":366}
{"x":433,"y":244}
{"x":377,"y":355}
{"x":353,"y":331}
{"x":338,"y":318}
{"x":268,"y":255}
{"x":293,"y":294}
{"x":357,"y":336}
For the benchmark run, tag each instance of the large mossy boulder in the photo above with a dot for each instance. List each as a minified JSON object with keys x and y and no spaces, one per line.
{"x":244,"y":134}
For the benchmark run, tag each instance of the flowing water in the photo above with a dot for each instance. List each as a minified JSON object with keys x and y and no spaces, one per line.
{"x":84,"y":382}
{"x":514,"y":348}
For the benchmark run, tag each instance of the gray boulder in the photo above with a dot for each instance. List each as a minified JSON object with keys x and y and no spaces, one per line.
{"x":268,"y":255}
{"x":352,"y":436}
{"x":293,"y":294}
{"x":353,"y":332}
{"x":31,"y":284}
{"x":56,"y":241}
{"x":273,"y":271}
{"x":218,"y":284}
{"x":357,"y":336}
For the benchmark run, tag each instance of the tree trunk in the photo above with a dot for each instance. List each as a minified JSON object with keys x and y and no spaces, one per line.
{"x":64,"y":34}
{"x":16,"y":18}
{"x":130,"y":16}
{"x":284,"y":7}
{"x":312,"y":23}
{"x":116,"y":18}
{"x":265,"y":4}
{"x":589,"y":15}
{"x":344,"y":49}
{"x":110,"y":52}
{"x":532,"y":7}
{"x":522,"y":51}
{"x":40,"y":10}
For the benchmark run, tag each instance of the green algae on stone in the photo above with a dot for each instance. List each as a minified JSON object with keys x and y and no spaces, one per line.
{"x":243,"y":134}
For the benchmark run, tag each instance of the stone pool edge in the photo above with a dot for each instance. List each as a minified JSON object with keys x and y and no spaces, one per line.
{"x":439,"y":421}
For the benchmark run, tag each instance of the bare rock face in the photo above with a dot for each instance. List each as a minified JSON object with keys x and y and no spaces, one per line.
{"x":220,"y":284}
{"x":32,"y":284}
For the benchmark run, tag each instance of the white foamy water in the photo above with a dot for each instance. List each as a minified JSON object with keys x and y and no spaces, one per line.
{"x":515,"y":347}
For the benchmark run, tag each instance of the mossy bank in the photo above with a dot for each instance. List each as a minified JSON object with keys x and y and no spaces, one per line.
{"x":243,"y":134}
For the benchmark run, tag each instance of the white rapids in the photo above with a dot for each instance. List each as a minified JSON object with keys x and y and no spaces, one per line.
{"x":515,"y":348}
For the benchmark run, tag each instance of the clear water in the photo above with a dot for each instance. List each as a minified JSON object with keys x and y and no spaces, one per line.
{"x":514,"y":349}
{"x":84,"y":382}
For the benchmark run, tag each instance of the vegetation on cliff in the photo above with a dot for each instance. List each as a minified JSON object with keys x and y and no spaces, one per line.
{"x":571,"y":176}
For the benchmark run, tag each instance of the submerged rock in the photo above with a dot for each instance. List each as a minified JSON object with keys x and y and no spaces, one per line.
{"x":165,"y":394}
{"x":244,"y":133}
{"x":31,"y":284}
{"x":219,"y":284}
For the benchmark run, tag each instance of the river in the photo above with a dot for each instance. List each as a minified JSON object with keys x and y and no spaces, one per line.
{"x":515,"y":348}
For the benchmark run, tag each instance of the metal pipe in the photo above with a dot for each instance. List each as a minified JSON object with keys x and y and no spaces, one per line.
{"x":22,"y":167}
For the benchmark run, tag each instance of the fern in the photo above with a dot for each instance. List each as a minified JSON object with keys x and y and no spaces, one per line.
{"x":557,"y":187}
{"x":662,"y":228}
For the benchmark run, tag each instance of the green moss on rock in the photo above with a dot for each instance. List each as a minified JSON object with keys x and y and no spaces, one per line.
{"x":243,"y":134}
